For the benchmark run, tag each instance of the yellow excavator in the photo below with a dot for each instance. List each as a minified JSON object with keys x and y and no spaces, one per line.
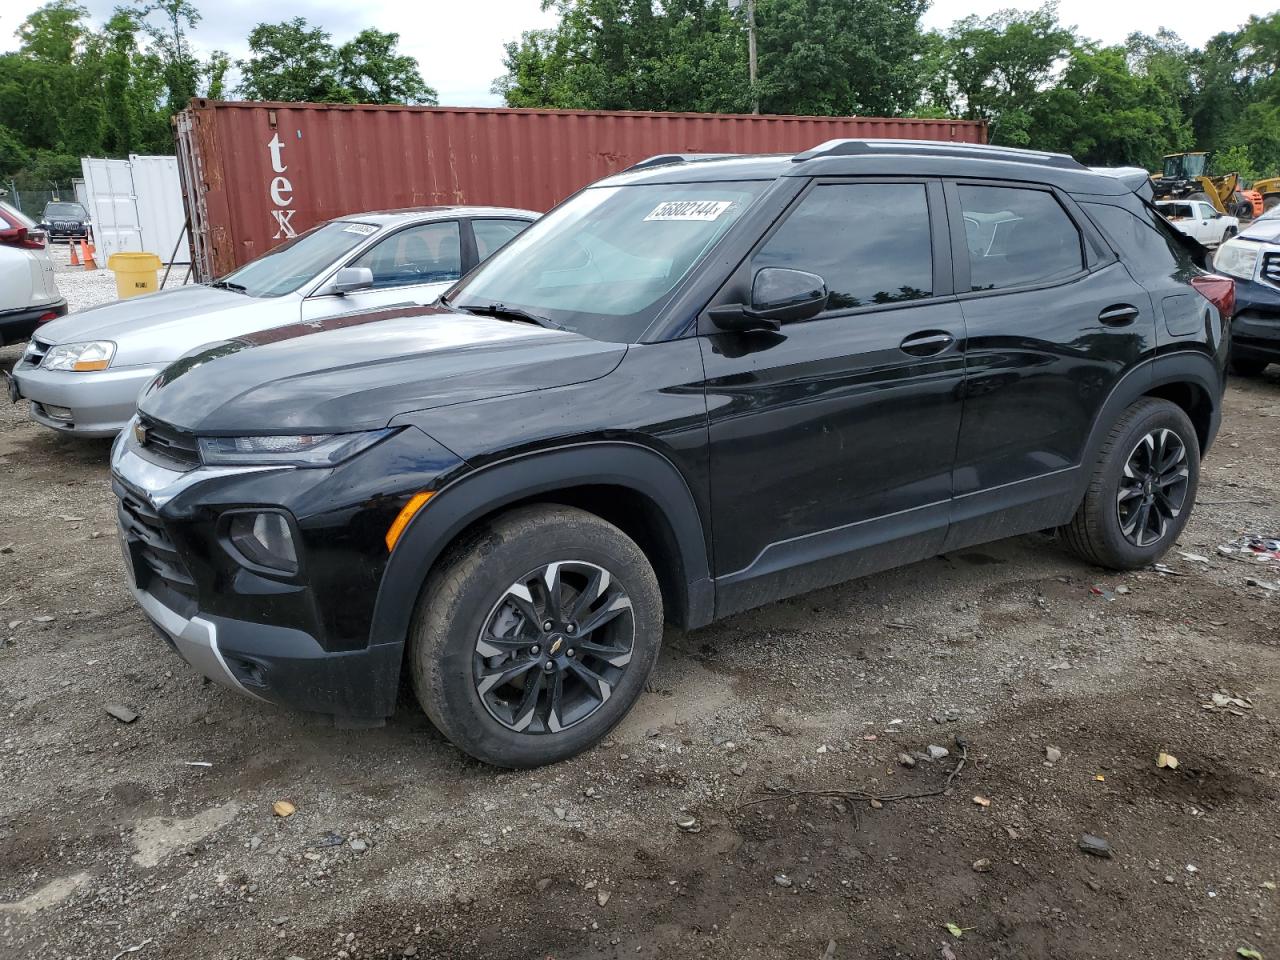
{"x":1184,"y":178}
{"x":1270,"y":190}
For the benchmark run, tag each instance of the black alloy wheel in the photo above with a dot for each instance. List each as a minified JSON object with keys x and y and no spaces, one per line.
{"x":554,"y":647}
{"x":1153,"y":487}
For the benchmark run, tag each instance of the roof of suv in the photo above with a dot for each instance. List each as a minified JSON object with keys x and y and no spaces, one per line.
{"x":928,"y":158}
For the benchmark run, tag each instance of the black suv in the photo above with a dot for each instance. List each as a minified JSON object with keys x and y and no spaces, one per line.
{"x":693,"y":388}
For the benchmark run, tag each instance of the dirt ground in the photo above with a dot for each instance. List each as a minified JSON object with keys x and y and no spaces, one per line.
{"x":111,"y":837}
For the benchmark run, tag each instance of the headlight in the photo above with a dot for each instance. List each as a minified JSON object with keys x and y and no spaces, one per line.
{"x":308,"y":450}
{"x":94,"y":355}
{"x":1237,"y":258}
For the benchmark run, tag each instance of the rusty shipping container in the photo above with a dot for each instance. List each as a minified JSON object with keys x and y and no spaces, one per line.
{"x":255,"y":174}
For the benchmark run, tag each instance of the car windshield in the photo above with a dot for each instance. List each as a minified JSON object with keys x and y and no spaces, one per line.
{"x":64,"y":211}
{"x":285,"y":268}
{"x":606,"y":262}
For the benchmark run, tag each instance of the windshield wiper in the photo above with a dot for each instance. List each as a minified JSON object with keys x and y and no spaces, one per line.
{"x":502,"y":311}
{"x":228,"y":285}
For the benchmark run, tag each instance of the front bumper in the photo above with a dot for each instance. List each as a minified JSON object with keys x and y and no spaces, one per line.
{"x":18,"y":325}
{"x":97,"y":404}
{"x":301,"y":641}
{"x":1255,"y":328}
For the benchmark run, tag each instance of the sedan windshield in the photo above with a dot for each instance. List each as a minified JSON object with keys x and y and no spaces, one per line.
{"x":606,"y":262}
{"x":285,"y":268}
{"x":65,"y":211}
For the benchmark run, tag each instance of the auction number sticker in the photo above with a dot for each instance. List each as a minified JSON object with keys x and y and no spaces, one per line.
{"x":364,"y":229}
{"x":690,"y":210}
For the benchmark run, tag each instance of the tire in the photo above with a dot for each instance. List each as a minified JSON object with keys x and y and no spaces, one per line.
{"x":1227,"y":234}
{"x":495,"y":581}
{"x":1271,"y":201}
{"x":1095,"y":533}
{"x":1248,"y":366}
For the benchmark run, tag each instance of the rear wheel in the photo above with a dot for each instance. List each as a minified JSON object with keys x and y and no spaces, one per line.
{"x":1142,"y":489}
{"x":1248,"y":366}
{"x":535,"y":636}
{"x":1228,"y":233}
{"x":1271,"y":201}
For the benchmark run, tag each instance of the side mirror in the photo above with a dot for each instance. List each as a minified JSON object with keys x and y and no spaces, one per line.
{"x":778,"y":295}
{"x":350,"y":279}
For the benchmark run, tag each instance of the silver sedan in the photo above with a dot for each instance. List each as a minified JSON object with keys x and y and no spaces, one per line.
{"x":82,"y":373}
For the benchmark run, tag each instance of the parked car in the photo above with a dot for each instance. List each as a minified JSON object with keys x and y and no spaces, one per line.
{"x":65,"y":220}
{"x":1200,"y":220}
{"x":1253,"y":259}
{"x":689,"y":390}
{"x":28,"y":291}
{"x":82,"y":374}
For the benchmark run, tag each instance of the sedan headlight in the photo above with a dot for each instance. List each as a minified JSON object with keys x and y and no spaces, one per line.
{"x":305,"y":450}
{"x":1237,"y":258}
{"x":93,"y":355}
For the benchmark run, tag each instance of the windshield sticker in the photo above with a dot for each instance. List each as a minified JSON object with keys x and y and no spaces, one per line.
{"x":690,"y":210}
{"x":364,"y":229}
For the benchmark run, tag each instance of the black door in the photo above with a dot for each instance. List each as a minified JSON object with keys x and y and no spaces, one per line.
{"x":1053,"y":320}
{"x":832,"y":441}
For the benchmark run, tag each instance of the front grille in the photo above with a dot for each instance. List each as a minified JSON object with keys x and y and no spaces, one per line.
{"x":168,"y":445}
{"x":36,"y":351}
{"x":1271,"y":267}
{"x":158,"y":566}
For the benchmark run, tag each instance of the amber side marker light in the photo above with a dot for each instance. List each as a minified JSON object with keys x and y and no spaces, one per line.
{"x":416,"y":503}
{"x":90,"y":365}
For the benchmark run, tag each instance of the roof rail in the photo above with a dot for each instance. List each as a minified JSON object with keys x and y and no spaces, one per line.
{"x":936,"y":148}
{"x":663,"y":159}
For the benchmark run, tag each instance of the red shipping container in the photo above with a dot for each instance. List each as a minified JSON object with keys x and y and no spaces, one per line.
{"x":255,"y":174}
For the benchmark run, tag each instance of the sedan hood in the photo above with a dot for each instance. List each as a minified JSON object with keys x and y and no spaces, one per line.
{"x":160,"y":327}
{"x":1264,"y":231}
{"x":358,"y":371}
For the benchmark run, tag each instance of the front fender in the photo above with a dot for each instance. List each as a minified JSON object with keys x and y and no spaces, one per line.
{"x":481,"y":492}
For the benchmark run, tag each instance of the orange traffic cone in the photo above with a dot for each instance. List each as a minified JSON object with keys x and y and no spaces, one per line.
{"x":75,"y":255}
{"x":86,"y":253}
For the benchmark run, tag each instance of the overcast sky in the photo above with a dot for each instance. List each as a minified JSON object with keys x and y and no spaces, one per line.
{"x":459,"y":45}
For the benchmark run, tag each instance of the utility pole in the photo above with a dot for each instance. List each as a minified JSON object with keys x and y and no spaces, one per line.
{"x":751,"y":53}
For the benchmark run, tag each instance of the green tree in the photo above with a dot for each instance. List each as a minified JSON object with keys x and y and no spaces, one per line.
{"x":373,"y":72}
{"x":840,"y":56}
{"x":54,"y":32}
{"x":685,"y":55}
{"x":291,"y":61}
{"x":171,"y":43}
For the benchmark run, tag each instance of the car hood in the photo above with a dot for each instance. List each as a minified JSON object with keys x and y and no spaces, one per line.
{"x":358,"y":371}
{"x":160,"y":327}
{"x":1264,"y":231}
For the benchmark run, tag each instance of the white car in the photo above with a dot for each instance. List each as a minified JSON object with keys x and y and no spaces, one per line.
{"x":83,"y":373}
{"x":28,"y":292}
{"x":1200,"y":220}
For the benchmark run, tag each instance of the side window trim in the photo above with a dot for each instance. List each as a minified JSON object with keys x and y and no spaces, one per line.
{"x":941,"y":253}
{"x":471,"y":221}
{"x":1093,"y":251}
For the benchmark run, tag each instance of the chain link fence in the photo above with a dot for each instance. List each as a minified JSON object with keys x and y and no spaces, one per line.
{"x":32,"y":202}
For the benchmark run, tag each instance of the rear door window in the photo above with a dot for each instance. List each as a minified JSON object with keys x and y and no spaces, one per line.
{"x":492,"y":234}
{"x":1017,"y":236}
{"x":869,"y":241}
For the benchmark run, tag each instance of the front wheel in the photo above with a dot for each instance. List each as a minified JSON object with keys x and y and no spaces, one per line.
{"x":535,"y":636}
{"x":1142,"y":489}
{"x":1248,"y":366}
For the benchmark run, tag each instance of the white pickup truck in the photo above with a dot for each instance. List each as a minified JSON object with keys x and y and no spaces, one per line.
{"x":1200,"y":220}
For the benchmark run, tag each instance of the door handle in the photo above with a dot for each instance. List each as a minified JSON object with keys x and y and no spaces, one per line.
{"x":1119,"y":315}
{"x":927,"y":343}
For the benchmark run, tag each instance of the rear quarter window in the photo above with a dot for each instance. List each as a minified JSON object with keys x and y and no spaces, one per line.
{"x":1146,"y":241}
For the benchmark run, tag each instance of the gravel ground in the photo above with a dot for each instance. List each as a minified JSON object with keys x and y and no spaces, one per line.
{"x":84,"y":289}
{"x":771,"y":730}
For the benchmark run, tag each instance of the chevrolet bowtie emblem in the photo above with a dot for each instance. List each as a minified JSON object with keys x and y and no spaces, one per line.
{"x":140,"y":434}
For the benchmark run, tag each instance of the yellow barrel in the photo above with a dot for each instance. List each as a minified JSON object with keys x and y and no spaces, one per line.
{"x":136,"y":273}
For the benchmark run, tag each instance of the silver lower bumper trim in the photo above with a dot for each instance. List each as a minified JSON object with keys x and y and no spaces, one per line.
{"x":196,"y":640}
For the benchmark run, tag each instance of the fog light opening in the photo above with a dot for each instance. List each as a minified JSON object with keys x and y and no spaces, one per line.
{"x":265,"y":539}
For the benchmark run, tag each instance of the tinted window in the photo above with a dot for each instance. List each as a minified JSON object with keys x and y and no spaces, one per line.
{"x":868,"y":241}
{"x":1017,"y":236}
{"x":492,"y":234}
{"x":1147,"y":243}
{"x":427,"y":253}
{"x":64,"y":211}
